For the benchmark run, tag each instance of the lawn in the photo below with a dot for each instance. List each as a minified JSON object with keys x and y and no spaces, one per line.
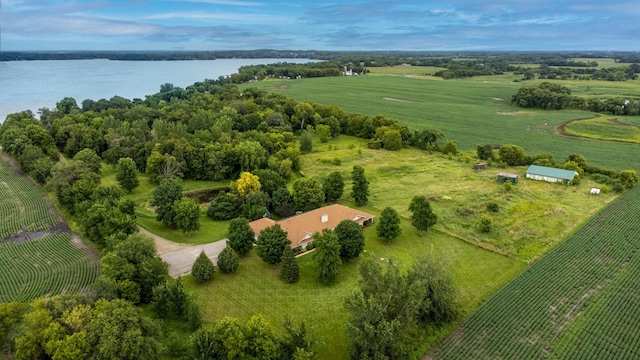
{"x":606,"y":128}
{"x":468,"y":111}
{"x":257,"y":289}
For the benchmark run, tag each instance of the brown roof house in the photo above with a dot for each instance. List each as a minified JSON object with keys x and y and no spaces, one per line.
{"x":300,"y":228}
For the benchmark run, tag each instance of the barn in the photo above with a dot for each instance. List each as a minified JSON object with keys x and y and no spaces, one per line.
{"x":550,"y":174}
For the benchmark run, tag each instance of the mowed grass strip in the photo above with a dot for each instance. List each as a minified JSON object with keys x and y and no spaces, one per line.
{"x":257,"y":289}
{"x":578,"y":302}
{"x":609,"y":128}
{"x":468,"y":111}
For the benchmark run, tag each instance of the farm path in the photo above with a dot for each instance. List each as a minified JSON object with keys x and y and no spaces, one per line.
{"x":180,"y":257}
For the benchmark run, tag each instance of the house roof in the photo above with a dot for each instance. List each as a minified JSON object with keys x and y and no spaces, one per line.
{"x":300,"y":228}
{"x":552,"y":172}
{"x":507,"y":175}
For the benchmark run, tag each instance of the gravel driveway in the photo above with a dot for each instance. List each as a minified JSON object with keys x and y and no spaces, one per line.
{"x":180,"y":261}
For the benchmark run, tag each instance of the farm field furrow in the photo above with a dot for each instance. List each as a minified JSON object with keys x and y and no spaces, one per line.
{"x":579,"y":301}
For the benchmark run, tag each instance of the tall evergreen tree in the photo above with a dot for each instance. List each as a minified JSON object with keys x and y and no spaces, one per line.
{"x":423,"y":217}
{"x":388,"y":226}
{"x":228,"y":260}
{"x":327,"y":256}
{"x":203,"y":268}
{"x":290,"y":272}
{"x":240,"y":236}
{"x":360,"y":188}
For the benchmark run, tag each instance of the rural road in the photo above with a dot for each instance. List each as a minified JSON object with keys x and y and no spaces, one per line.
{"x":180,"y":257}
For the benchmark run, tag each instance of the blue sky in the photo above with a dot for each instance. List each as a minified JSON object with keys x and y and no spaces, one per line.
{"x":320,"y":25}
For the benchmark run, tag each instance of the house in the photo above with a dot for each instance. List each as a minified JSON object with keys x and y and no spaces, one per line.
{"x":550,"y":174}
{"x":502,"y":177}
{"x":300,"y":228}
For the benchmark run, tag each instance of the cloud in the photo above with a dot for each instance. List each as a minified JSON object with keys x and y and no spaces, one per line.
{"x":227,"y":2}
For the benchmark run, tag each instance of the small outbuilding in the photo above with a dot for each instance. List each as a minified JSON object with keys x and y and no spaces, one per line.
{"x":480,"y":166}
{"x":502,"y":177}
{"x":550,"y":174}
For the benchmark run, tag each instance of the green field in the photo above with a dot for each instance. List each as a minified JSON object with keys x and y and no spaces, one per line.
{"x":23,"y":207}
{"x":37,"y":254}
{"x":469,"y":111}
{"x":578,"y":302}
{"x":51,"y":265}
{"x":614,"y":129}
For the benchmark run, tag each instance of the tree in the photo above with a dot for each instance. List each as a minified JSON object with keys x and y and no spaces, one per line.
{"x":392,"y":139}
{"x":450,"y":148}
{"x":90,"y":159}
{"x":388,"y":226}
{"x":202,"y":269}
{"x":289,"y":273}
{"x":513,"y":155}
{"x":360,"y":187}
{"x":486,"y":223}
{"x":423,"y":217}
{"x":327,"y":256}
{"x":282,"y":202}
{"x":164,"y":196}
{"x":333,"y":186}
{"x":308,"y":194}
{"x":270,"y":181}
{"x":484,"y":152}
{"x":248,"y":183}
{"x":438,"y":303}
{"x":382,"y":313}
{"x":240,"y":236}
{"x":628,"y":178}
{"x":224,"y":207}
{"x":271,"y":244}
{"x":127,"y":174}
{"x":296,"y":343}
{"x":187,"y":215}
{"x":351,"y":238}
{"x":323,"y":132}
{"x":228,"y":260}
{"x":306,"y":141}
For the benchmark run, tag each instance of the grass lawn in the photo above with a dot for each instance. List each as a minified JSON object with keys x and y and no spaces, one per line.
{"x":468,"y":111}
{"x":257,"y":289}
{"x":606,"y":129}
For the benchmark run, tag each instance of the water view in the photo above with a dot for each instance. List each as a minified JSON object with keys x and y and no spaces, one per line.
{"x":30,"y":85}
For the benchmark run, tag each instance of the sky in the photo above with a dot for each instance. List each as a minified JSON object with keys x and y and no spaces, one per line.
{"x":455,"y":25}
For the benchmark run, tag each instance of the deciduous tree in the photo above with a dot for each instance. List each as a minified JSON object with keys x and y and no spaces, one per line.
{"x":351,"y":238}
{"x":327,"y":256}
{"x":127,"y":174}
{"x":423,"y":217}
{"x":271,"y":244}
{"x":360,"y":187}
{"x":187,"y":215}
{"x":308,"y":194}
{"x":164,"y":196}
{"x":248,"y":183}
{"x":333,"y":186}
{"x":388,"y":226}
{"x":240,"y":236}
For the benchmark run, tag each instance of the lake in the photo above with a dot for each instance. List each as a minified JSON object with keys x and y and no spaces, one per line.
{"x":30,"y":85}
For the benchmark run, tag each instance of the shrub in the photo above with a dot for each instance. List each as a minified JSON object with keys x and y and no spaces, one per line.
{"x":202,"y":269}
{"x":228,"y":260}
{"x":486,"y":224}
{"x":493,"y":207}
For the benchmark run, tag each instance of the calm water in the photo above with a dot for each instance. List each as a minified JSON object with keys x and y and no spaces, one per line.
{"x":30,"y":85}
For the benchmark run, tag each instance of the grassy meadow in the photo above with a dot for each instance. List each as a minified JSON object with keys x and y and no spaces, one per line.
{"x":468,"y":111}
{"x":613,"y":129}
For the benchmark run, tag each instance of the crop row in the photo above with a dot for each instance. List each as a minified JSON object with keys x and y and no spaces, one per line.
{"x":45,"y":267}
{"x":22,"y":205}
{"x":578,"y":302}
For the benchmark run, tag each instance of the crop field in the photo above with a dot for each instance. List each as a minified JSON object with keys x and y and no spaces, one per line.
{"x":578,"y":302}
{"x":468,"y":111}
{"x":23,"y":206}
{"x":47,"y":266}
{"x":615,"y":129}
{"x":38,"y":255}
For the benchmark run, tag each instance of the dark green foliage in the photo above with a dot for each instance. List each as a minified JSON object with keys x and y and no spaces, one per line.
{"x":388,"y":226}
{"x":450,"y":148}
{"x":327,"y":256}
{"x":513,"y":155}
{"x":423,"y":217}
{"x":308,"y":194}
{"x":439,"y":299}
{"x":351,"y":238}
{"x":543,"y":96}
{"x":127,"y":174}
{"x":187,"y":215}
{"x":271,"y":244}
{"x":224,"y":207}
{"x":90,"y":160}
{"x":296,"y":339}
{"x":202,"y":269}
{"x":493,"y":207}
{"x":484,"y":152}
{"x":240,"y":236}
{"x":164,"y":196}
{"x":360,"y":187}
{"x":228,"y":260}
{"x":333,"y":186}
{"x":282,"y":202}
{"x":289,"y":272}
{"x":628,"y":178}
{"x":171,"y":300}
{"x":270,"y":180}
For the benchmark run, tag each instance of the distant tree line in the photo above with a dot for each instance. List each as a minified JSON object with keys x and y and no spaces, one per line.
{"x":553,"y":96}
